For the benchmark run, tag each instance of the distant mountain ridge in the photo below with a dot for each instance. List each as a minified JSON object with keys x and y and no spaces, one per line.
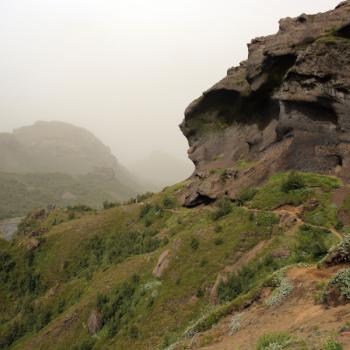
{"x":54,"y":147}
{"x":58,"y":163}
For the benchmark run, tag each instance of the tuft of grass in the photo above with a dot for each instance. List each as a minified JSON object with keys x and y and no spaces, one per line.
{"x":332,"y":344}
{"x":272,"y":341}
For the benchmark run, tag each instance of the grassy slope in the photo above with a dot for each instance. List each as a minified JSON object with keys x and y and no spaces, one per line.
{"x":81,"y":258}
{"x":20,"y":193}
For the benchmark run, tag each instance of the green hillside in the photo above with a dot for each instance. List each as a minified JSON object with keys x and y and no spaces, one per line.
{"x":71,"y":271}
{"x":21,"y":193}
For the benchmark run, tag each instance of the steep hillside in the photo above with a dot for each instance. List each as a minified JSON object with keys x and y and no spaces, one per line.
{"x":21,"y":193}
{"x":58,"y":163}
{"x":252,"y":252}
{"x":155,"y":275}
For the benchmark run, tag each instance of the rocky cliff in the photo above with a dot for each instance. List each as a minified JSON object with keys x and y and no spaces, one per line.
{"x":286,"y":107}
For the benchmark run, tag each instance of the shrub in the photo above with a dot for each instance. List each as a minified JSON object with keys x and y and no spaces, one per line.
{"x":224,"y":207}
{"x":312,"y":241}
{"x":217,"y":229}
{"x":168,"y":203}
{"x":85,"y":345}
{"x":338,"y":254}
{"x":293,"y":182}
{"x":194,"y":243}
{"x":332,"y":345}
{"x":219,"y":241}
{"x":200,"y":293}
{"x":246,"y":195}
{"x":149,"y":214}
{"x":274,"y":341}
{"x":80,"y":208}
{"x":110,"y":205}
{"x":223,"y":175}
{"x":338,"y":288}
{"x":230,"y":289}
{"x":284,"y":287}
{"x":144,"y":196}
{"x":134,"y":332}
{"x":235,"y":324}
{"x":116,"y":308}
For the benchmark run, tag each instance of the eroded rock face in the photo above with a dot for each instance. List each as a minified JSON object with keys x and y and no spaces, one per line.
{"x":286,"y":107}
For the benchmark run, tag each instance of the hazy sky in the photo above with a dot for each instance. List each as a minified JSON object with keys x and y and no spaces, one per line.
{"x":125,"y":69}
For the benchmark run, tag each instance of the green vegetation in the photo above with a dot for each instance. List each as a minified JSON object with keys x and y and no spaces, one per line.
{"x":224,"y":207}
{"x":339,"y":286}
{"x":103,"y":260}
{"x":280,"y":341}
{"x":274,"y":194}
{"x":246,"y":195}
{"x":293,"y":182}
{"x":283,"y":288}
{"x":313,"y":243}
{"x":21,"y":193}
{"x":244,"y":164}
{"x":332,"y":345}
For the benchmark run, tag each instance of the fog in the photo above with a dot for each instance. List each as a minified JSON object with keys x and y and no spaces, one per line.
{"x":125,"y":69}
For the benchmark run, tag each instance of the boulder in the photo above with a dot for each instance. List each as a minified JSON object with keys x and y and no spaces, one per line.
{"x":95,"y":322}
{"x":162,"y":264}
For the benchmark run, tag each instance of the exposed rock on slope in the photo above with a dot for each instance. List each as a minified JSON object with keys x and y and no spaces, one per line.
{"x":286,"y":107}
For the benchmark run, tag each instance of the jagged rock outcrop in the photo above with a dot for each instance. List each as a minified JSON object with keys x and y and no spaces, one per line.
{"x":286,"y":107}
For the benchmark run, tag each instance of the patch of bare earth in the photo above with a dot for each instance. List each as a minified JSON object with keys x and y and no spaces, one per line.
{"x":299,"y":315}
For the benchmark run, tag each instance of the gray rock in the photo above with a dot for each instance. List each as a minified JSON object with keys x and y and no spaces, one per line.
{"x":286,"y":107}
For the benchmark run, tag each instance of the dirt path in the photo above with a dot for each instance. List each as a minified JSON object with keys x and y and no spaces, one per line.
{"x":295,"y":212}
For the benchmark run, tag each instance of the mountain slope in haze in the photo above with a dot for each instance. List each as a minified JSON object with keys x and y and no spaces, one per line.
{"x":252,"y":252}
{"x":160,"y":169}
{"x":47,"y":147}
{"x":58,"y":163}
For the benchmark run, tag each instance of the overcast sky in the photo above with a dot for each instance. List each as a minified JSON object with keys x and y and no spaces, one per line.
{"x":125,"y":69}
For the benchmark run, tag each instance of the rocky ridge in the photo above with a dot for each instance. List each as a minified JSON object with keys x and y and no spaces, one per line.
{"x":285,"y":107}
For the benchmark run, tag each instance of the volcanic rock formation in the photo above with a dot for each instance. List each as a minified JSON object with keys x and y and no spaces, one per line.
{"x":286,"y":107}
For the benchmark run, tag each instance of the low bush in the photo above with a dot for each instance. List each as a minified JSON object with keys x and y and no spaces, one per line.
{"x":194,"y":244}
{"x":332,"y":345}
{"x":283,"y":288}
{"x":110,"y":205}
{"x":337,"y":290}
{"x":116,"y":307}
{"x":313,"y":243}
{"x":247,"y":278}
{"x":293,"y":182}
{"x":338,"y":254}
{"x":246,"y":195}
{"x":274,"y":341}
{"x":224,"y":207}
{"x":168,"y":203}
